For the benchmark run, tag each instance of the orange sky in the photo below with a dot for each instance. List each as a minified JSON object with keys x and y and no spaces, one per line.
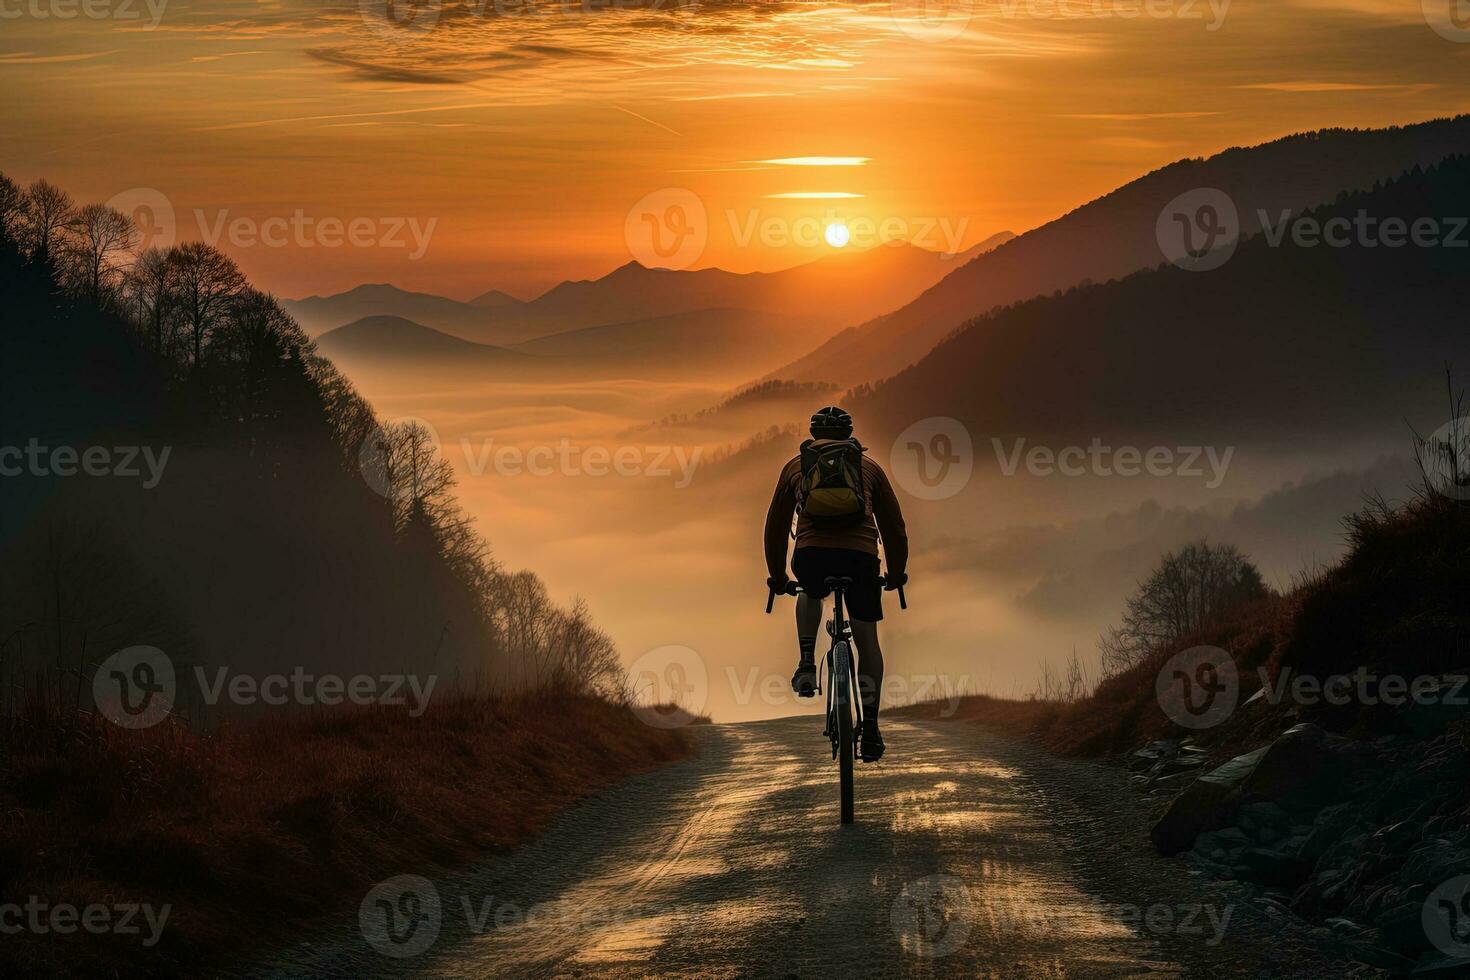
{"x":508,"y":150}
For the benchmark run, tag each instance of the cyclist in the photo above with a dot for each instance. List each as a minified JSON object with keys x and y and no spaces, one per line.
{"x":844,"y":504}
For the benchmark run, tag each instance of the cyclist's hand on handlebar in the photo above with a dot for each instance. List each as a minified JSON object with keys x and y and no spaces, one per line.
{"x":781,"y":586}
{"x":894,"y":581}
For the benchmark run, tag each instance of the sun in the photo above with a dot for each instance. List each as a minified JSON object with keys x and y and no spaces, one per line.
{"x":837,"y":234}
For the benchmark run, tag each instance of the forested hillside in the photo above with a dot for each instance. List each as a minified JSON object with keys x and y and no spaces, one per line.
{"x":1294,"y":336}
{"x":182,"y":470}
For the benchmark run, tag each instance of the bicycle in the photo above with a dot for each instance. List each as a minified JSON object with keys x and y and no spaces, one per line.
{"x":844,"y":702}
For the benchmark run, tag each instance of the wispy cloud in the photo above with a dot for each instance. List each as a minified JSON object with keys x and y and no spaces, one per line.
{"x":31,"y":58}
{"x":1134,"y":116}
{"x":1323,"y":86}
{"x":815,"y":161}
{"x":811,"y":196}
{"x":651,"y":122}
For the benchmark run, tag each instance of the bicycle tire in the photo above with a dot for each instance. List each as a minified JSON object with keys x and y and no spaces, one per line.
{"x":846,"y":739}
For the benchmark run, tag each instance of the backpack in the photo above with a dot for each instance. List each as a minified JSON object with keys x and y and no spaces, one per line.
{"x":830,"y":492}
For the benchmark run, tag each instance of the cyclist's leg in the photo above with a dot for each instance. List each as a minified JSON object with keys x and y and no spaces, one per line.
{"x":808,"y":622}
{"x":808,"y":619}
{"x":870,"y":666}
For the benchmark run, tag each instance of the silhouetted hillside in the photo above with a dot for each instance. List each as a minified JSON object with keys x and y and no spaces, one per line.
{"x":402,"y":341}
{"x":185,"y":472}
{"x":1114,"y":235}
{"x":1279,"y":343}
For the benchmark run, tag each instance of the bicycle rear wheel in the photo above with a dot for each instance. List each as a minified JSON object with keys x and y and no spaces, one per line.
{"x":846,"y":737}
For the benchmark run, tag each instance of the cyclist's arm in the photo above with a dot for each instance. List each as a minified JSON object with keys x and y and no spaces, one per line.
{"x":778,"y":524}
{"x":889,"y":516}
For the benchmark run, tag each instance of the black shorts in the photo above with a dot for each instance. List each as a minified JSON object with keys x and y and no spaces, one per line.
{"x":812,"y":566}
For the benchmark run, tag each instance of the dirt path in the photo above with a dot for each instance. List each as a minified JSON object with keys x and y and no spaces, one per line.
{"x":973,"y":854}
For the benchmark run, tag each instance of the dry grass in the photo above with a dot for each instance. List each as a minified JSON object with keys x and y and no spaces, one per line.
{"x":252,"y":833}
{"x":1395,"y":604}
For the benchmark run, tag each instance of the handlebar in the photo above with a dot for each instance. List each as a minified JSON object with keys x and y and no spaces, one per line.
{"x":793,"y":589}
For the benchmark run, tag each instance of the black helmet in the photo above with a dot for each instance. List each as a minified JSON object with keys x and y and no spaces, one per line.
{"x":831,"y":423}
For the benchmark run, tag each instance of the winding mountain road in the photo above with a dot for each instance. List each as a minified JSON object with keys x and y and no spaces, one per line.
{"x":972,"y":854}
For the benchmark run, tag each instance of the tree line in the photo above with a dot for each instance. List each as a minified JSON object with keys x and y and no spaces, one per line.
{"x":291,"y":526}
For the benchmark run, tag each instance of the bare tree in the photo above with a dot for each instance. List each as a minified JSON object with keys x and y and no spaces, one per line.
{"x":1188,"y":590}
{"x":11,"y":200}
{"x":207,"y":284}
{"x":46,"y":213}
{"x":97,"y":238}
{"x":150,"y":290}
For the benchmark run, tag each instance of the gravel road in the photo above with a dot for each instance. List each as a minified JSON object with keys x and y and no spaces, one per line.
{"x":972,"y":854}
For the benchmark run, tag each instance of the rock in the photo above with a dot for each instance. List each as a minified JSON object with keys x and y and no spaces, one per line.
{"x":1383,"y":959}
{"x":1273,"y":867}
{"x":1266,"y":813}
{"x":1403,"y":928}
{"x":1304,"y":767}
{"x":1152,"y":753}
{"x":1442,"y":965}
{"x":1339,"y":924}
{"x":1198,"y":807}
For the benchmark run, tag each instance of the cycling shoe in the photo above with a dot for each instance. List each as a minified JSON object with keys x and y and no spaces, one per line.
{"x":870,"y":742}
{"x":804,"y":681}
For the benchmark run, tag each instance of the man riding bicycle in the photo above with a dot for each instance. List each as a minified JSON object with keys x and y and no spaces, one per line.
{"x":844,"y":504}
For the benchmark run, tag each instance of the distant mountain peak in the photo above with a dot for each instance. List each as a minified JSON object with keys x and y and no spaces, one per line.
{"x":494,"y":299}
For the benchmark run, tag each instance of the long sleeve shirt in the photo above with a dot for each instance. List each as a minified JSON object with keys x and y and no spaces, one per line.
{"x":885,"y":519}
